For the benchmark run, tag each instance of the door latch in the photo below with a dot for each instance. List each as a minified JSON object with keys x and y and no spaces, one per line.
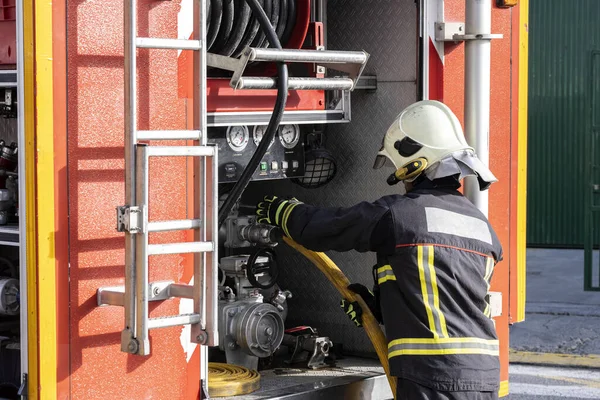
{"x":129,"y":219}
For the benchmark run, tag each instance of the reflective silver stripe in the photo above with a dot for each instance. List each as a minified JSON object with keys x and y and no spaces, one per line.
{"x":385,"y":274}
{"x":451,"y":223}
{"x":443,"y":346}
{"x":489,"y":268}
{"x":459,"y":345}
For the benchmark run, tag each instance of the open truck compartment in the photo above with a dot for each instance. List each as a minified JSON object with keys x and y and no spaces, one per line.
{"x":135,"y":132}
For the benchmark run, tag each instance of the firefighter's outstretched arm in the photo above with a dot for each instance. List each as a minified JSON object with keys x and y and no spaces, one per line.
{"x":361,"y":227}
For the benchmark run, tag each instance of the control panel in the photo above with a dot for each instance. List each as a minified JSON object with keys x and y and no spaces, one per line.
{"x":284,"y":157}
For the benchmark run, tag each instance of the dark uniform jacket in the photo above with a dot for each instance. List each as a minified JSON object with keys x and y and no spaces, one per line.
{"x":436,"y":253}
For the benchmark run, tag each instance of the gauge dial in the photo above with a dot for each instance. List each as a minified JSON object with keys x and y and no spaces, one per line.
{"x":237,"y":137}
{"x":258,"y":133}
{"x":289,"y":135}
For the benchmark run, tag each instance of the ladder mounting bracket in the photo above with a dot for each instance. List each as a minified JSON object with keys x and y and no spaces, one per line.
{"x":129,"y":219}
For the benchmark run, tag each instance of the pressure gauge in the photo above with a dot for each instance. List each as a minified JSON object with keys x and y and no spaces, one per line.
{"x":237,"y":137}
{"x":258,"y":133}
{"x":289,"y":135}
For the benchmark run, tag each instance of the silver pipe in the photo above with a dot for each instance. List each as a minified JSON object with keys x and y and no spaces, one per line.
{"x":182,"y":291}
{"x":9,"y":71}
{"x":23,"y":282}
{"x":213,"y":321}
{"x":180,"y":151}
{"x":8,"y":84}
{"x":309,"y":56}
{"x":169,"y":135}
{"x":169,"y":44}
{"x":175,"y":225}
{"x":297,"y":83}
{"x":477,"y":92}
{"x":180,"y":248}
{"x":142,"y":250}
{"x":177,"y":320}
{"x":130,"y":101}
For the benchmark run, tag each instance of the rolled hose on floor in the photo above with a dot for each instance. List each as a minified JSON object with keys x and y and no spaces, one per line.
{"x":226,"y":380}
{"x":339,"y":280}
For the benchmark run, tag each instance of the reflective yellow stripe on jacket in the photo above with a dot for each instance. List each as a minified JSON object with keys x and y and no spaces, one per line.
{"x":442,"y":346}
{"x":385,"y":274}
{"x":429,"y":290}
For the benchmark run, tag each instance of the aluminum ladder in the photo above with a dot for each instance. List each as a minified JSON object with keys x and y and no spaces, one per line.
{"x":132,"y":219}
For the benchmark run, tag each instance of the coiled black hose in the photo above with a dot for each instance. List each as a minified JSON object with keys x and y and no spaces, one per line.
{"x":216,"y":13}
{"x":250,"y":34}
{"x":225,"y":28}
{"x":240,"y":23}
{"x":282,"y":93}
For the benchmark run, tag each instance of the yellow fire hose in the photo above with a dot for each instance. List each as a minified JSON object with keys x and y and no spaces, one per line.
{"x":226,"y":380}
{"x":229,"y":380}
{"x":339,"y":280}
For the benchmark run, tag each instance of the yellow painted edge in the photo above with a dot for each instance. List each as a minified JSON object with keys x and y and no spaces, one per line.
{"x":570,"y":360}
{"x":503,"y":389}
{"x":522,"y":160}
{"x":31,"y":238}
{"x":45,"y":199}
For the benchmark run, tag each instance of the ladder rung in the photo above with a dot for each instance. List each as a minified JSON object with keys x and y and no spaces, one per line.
{"x":180,"y":248}
{"x":181,"y":291}
{"x":165,"y":322}
{"x":168,"y":135}
{"x":308,"y":56}
{"x":297,"y":83}
{"x":160,"y":43}
{"x":178,"y":151}
{"x":175,"y":225}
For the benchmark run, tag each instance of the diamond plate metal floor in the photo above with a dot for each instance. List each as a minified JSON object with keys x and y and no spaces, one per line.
{"x":352,"y":378}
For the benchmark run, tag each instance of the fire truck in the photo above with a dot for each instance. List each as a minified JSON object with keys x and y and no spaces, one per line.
{"x":132,"y":157}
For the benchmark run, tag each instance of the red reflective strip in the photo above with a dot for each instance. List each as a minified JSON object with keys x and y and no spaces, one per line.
{"x":443,"y":245}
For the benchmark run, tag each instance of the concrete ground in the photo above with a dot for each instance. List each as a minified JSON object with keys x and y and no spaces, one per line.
{"x":560,"y":317}
{"x":561,"y":331}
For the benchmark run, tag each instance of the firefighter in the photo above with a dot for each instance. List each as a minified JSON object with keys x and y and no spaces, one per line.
{"x":436,"y":254}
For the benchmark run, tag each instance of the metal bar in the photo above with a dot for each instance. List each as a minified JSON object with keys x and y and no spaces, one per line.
{"x":142,"y":252}
{"x":262,"y":118}
{"x":8,"y":84}
{"x":212,"y":325}
{"x":166,"y":322}
{"x":128,"y":334}
{"x":181,"y":151}
{"x":171,"y":44}
{"x":169,"y":135}
{"x":309,"y":56}
{"x":366,"y":83}
{"x":296,"y":83}
{"x":108,"y":297}
{"x":477,"y":92}
{"x":23,"y":259}
{"x":180,"y":248}
{"x":181,"y":291}
{"x":199,"y":204}
{"x":8,"y":71}
{"x":175,"y":225}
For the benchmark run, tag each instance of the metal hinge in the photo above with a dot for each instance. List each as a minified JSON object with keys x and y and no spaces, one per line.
{"x":129,"y":219}
{"x":23,"y":389}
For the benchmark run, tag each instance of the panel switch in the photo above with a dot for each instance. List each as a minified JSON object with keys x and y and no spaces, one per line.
{"x":274,"y":166}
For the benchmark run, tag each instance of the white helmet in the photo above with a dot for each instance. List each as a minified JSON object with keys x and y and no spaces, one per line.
{"x":427,"y":137}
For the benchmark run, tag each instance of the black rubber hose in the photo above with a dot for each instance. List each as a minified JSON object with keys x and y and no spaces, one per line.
{"x":226,"y":26}
{"x":275,"y":5}
{"x":291,"y":23}
{"x":240,"y":23}
{"x":249,"y":35}
{"x":282,"y":93}
{"x":261,"y":37}
{"x":215,"y":21}
{"x":283,"y":16}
